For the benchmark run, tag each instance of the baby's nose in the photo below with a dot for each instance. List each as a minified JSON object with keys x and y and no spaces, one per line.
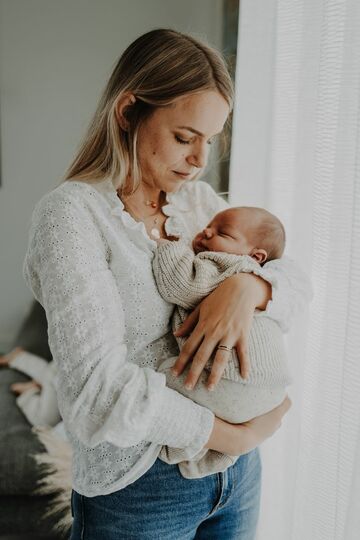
{"x":207,"y":232}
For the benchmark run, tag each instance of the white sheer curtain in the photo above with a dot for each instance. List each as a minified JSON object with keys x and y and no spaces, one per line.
{"x":296,"y":150}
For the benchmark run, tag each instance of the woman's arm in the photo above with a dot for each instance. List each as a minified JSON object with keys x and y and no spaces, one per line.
{"x":239,"y":439}
{"x":102,"y":396}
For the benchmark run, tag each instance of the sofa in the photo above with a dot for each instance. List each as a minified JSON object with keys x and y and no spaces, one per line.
{"x":22,"y":511}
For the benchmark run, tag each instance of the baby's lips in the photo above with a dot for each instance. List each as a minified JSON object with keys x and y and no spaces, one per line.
{"x":200,"y":247}
{"x":197,"y":244}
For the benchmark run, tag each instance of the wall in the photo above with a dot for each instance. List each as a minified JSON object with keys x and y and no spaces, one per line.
{"x":55,"y":59}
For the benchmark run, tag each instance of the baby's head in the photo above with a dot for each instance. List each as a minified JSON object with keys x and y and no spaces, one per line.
{"x":244,"y":230}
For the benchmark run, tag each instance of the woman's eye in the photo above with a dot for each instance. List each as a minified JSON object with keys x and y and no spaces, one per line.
{"x":181,"y":141}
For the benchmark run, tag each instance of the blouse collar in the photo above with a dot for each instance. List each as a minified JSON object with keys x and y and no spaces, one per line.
{"x":177,"y":204}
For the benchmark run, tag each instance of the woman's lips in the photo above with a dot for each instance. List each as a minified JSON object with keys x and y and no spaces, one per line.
{"x":182,"y":174}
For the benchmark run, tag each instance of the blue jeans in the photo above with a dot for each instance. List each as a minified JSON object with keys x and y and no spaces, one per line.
{"x":163,"y":505}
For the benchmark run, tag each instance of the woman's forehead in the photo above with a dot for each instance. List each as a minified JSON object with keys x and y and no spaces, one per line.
{"x":203,"y":114}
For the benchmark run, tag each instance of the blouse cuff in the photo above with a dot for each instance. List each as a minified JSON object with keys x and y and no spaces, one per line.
{"x":291,"y":291}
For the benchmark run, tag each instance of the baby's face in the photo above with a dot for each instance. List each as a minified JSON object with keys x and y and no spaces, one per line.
{"x":226,"y":232}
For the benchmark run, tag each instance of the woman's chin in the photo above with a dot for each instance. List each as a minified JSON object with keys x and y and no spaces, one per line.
{"x":173,"y":187}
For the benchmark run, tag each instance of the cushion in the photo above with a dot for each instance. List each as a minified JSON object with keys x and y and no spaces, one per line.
{"x":33,"y":336}
{"x":18,"y":469}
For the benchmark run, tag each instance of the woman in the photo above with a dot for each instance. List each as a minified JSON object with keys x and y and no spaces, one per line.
{"x":89,"y":264}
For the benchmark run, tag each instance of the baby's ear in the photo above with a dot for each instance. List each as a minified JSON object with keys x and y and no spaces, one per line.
{"x":260,"y":255}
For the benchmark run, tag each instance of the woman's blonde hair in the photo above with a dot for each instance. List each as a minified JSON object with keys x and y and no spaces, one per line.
{"x":157,"y":68}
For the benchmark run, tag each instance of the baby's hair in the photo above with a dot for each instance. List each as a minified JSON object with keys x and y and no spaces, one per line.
{"x":267,"y":233}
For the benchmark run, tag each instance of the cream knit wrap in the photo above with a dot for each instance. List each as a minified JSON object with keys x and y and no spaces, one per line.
{"x":184,"y":279}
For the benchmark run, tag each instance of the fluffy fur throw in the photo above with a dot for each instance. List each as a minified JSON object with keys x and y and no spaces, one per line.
{"x":55,"y":465}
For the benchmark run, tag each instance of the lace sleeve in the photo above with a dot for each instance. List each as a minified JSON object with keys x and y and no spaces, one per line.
{"x":102,"y":397}
{"x":291,"y":291}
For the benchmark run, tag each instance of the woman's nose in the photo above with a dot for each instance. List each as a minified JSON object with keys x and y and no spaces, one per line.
{"x":199,"y":156}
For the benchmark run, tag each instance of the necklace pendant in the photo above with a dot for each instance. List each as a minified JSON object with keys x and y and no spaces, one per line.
{"x":155,"y":233}
{"x":151,"y":203}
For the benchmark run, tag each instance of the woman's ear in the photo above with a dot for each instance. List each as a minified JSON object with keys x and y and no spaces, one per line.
{"x":124,"y":103}
{"x":260,"y":255}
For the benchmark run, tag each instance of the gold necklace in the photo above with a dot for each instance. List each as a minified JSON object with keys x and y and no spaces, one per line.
{"x":155,"y":232}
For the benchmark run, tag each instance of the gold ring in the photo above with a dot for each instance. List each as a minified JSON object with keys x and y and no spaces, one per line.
{"x":224,"y":348}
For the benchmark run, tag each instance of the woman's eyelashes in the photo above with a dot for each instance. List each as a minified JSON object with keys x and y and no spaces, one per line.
{"x":181,"y":140}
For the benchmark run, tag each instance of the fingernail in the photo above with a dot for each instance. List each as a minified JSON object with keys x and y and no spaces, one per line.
{"x":211,"y":387}
{"x":174,"y":372}
{"x":188,"y":386}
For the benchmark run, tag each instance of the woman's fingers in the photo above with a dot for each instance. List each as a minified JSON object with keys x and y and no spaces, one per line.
{"x":187,"y":352}
{"x":284,"y":406}
{"x":265,"y":425}
{"x":199,"y":362}
{"x":220,"y":319}
{"x":220,"y":362}
{"x":189,"y":324}
{"x":277,"y":413}
{"x":281,"y":410}
{"x":243,"y":357}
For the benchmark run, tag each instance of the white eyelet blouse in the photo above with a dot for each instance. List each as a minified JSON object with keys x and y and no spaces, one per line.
{"x":89,"y":263}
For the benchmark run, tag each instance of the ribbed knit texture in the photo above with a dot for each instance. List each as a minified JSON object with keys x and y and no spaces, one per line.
{"x":185,"y":278}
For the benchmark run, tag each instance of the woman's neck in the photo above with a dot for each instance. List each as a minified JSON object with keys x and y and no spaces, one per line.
{"x":144,"y":196}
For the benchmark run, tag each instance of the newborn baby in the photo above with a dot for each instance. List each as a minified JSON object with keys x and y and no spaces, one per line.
{"x":236,"y":240}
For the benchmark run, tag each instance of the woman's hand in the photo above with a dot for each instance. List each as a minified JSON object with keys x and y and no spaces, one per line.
{"x":237,"y":439}
{"x":222,"y":318}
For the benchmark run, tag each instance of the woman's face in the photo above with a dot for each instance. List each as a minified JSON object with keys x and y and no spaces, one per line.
{"x":174,"y":142}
